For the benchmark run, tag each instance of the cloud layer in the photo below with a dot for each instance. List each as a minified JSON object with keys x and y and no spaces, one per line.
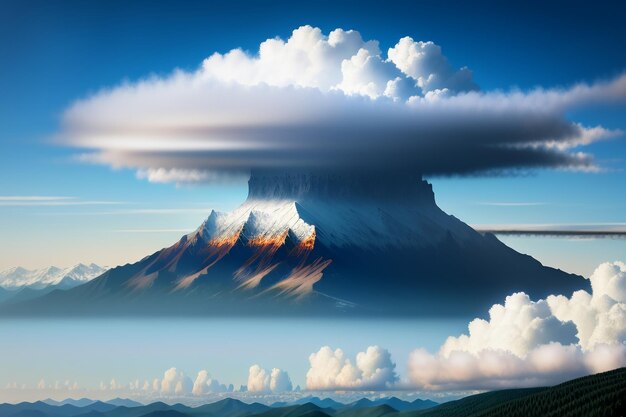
{"x":325,"y":101}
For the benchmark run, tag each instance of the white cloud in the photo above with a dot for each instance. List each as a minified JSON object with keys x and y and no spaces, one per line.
{"x":368,"y":75}
{"x":175,"y":382}
{"x":162,"y":175}
{"x":517,"y":327}
{"x":526,"y":343}
{"x":315,"y":100}
{"x":600,"y":317}
{"x":262,"y":380}
{"x":204,"y":384}
{"x":307,"y":59}
{"x":113,"y":385}
{"x":330,"y":370}
{"x":280,"y":381}
{"x":425,"y":63}
{"x":604,"y":357}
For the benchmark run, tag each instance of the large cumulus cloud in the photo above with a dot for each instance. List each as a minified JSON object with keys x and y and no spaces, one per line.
{"x":600,"y":317}
{"x":534,"y":343}
{"x":328,"y":101}
{"x":331,"y":370}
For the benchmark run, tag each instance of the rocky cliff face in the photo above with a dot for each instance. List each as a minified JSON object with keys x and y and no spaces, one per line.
{"x":354,"y":187}
{"x":307,"y":243}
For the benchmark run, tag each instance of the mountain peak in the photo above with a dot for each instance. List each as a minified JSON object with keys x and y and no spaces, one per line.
{"x":48,"y":277}
{"x":324,"y":243}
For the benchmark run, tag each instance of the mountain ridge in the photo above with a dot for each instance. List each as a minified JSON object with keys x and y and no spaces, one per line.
{"x":19,"y":277}
{"x":325,"y":245}
{"x":600,"y":395}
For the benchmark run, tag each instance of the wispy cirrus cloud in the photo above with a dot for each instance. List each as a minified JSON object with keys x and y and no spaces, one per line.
{"x":34,"y":198}
{"x":153,"y":230}
{"x":26,"y":201}
{"x":511,"y":203}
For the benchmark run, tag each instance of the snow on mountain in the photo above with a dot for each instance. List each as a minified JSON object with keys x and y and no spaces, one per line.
{"x":306,"y":243}
{"x":18,"y":277}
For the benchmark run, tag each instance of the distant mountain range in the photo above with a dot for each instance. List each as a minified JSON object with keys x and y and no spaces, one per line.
{"x":21,"y":284}
{"x":84,"y":402}
{"x":394,"y":402}
{"x":37,"y":279}
{"x":318,"y":244}
{"x":602,"y":395}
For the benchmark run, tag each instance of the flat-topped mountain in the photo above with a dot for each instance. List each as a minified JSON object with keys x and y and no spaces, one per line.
{"x":320,"y":244}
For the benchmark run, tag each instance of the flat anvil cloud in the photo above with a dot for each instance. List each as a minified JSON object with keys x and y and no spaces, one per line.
{"x":328,"y":101}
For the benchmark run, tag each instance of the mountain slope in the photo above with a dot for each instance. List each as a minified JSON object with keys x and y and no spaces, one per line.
{"x":601,"y":395}
{"x":372,"y":411}
{"x":230,"y":407}
{"x":393,"y":402}
{"x":319,"y":244}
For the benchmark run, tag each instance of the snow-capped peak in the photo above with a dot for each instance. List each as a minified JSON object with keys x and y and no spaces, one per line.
{"x":19,"y":277}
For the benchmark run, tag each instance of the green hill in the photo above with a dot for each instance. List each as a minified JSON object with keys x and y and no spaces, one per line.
{"x":473,"y":404}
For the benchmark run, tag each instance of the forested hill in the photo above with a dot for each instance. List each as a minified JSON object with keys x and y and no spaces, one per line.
{"x":600,"y":395}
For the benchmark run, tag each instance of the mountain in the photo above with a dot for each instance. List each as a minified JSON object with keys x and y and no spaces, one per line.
{"x":165,"y":413}
{"x":372,"y":411}
{"x":322,"y":403}
{"x":81,"y":402}
{"x":124,"y":402}
{"x":61,"y":409}
{"x":419,"y":404}
{"x":51,"y":277}
{"x":5,"y":294}
{"x":230,"y":407}
{"x":300,"y":410}
{"x":474,"y":403}
{"x":143,"y":410}
{"x":394,"y":402}
{"x":326,"y":244}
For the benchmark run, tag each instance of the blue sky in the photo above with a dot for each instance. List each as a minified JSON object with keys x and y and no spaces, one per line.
{"x":129,"y":349}
{"x":55,"y":54}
